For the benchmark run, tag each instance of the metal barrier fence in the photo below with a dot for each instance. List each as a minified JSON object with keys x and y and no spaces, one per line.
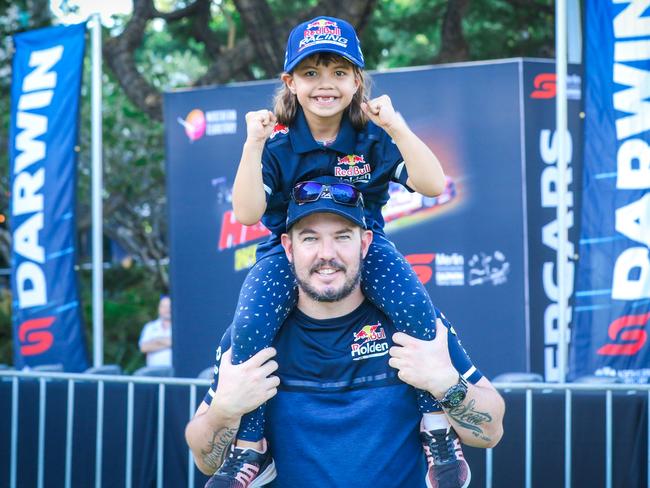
{"x":16,"y":376}
{"x":72,"y":379}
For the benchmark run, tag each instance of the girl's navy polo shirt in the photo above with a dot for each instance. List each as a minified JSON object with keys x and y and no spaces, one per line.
{"x":369,"y":159}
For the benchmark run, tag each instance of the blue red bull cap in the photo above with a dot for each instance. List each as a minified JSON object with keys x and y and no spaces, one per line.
{"x":322,"y":34}
{"x":325,"y":196}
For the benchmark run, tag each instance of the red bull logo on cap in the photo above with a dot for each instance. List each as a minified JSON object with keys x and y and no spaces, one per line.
{"x":369,"y":341}
{"x":322,"y":31}
{"x":323,"y":26}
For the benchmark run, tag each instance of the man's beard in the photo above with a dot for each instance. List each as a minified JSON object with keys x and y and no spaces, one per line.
{"x":329,"y":295}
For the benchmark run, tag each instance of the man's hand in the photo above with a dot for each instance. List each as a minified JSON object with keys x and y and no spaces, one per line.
{"x":424,"y":364}
{"x":244,"y":387}
{"x":260,"y":125}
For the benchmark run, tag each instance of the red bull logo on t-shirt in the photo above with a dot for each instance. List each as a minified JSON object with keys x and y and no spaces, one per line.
{"x":369,"y":341}
{"x":352,"y":166}
{"x":279,"y":129}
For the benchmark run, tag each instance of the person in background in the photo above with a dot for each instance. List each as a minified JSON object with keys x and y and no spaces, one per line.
{"x":156,"y":337}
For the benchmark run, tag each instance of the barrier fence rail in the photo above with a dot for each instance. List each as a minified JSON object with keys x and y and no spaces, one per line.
{"x":72,"y":380}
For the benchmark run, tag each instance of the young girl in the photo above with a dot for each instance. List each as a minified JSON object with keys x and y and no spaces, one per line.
{"x":324,"y":124}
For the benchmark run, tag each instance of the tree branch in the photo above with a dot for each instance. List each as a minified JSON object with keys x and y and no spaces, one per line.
{"x":179,"y":14}
{"x":264,"y":45}
{"x":119,"y":53}
{"x":263,"y":32}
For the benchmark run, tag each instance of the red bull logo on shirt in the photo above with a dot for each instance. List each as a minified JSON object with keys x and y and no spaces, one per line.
{"x":322,"y":31}
{"x":279,"y":129}
{"x":352,"y":166}
{"x":369,"y":341}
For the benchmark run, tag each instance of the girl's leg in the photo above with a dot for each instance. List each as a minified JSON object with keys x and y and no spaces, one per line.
{"x":266,"y":298}
{"x":392,"y":285}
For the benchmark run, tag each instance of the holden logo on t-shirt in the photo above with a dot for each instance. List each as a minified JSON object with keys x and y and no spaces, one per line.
{"x":369,"y":342}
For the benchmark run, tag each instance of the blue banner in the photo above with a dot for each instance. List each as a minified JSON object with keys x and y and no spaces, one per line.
{"x":47,"y":69}
{"x":468,"y":245}
{"x":613,"y":284}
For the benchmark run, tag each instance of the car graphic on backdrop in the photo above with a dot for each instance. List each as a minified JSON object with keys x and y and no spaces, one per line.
{"x":403,"y":203}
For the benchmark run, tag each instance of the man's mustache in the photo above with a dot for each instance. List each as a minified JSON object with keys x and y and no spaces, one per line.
{"x":331,"y":263}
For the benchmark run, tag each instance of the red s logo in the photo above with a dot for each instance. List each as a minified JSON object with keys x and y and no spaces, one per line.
{"x":418,"y":262}
{"x":545,"y":86}
{"x":628,"y":330}
{"x":33,"y":339}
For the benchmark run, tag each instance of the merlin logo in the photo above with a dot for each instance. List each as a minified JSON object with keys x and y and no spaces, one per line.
{"x":370,"y":341}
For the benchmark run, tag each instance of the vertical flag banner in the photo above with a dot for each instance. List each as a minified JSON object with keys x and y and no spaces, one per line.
{"x":47,"y":69}
{"x":612,"y":310}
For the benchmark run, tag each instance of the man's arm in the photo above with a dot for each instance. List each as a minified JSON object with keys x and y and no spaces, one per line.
{"x":240,"y":389}
{"x":478,"y":421}
{"x":426,"y":365}
{"x":209,"y":435}
{"x":156,"y":344}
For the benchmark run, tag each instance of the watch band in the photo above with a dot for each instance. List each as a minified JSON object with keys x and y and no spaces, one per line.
{"x":455,"y":395}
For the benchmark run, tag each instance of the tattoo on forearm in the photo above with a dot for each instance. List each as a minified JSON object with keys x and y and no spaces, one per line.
{"x":218,"y":447}
{"x":466,"y":416}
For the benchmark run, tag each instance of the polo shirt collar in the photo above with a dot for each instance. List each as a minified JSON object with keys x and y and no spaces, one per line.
{"x":302,"y":140}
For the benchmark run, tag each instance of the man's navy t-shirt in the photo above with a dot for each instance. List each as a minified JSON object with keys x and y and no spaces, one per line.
{"x":341,"y":416}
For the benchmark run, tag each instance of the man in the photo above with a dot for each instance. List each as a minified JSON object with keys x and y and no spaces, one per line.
{"x":156,"y":337}
{"x":345,"y":414}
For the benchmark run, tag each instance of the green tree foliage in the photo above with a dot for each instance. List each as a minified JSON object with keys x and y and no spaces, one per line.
{"x":409,"y":32}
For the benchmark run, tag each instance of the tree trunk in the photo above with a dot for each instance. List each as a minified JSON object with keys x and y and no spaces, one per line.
{"x":264,"y":45}
{"x":453,"y":44}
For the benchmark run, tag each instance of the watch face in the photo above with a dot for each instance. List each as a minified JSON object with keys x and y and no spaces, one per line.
{"x":454,"y":396}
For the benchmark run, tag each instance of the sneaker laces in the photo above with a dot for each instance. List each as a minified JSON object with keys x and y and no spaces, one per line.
{"x":233,"y":463}
{"x":441,"y":446}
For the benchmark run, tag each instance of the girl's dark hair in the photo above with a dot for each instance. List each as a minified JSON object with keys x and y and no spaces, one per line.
{"x":285,"y":103}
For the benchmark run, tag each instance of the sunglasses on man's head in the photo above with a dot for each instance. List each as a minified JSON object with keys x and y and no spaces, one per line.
{"x":310,"y":191}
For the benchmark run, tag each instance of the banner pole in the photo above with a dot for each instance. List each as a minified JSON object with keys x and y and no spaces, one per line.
{"x":562,"y":166}
{"x":97,"y":186}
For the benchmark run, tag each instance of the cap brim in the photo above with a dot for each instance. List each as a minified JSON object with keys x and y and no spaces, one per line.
{"x":321,"y":49}
{"x":307,"y":209}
